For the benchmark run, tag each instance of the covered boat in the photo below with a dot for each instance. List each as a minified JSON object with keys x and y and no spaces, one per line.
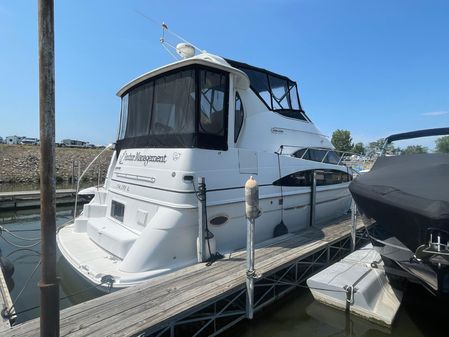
{"x":404,"y":200}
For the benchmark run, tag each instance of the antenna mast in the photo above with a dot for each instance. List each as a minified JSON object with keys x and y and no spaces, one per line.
{"x":182,"y":50}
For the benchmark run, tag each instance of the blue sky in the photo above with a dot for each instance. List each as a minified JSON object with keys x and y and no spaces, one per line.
{"x":373,"y":67}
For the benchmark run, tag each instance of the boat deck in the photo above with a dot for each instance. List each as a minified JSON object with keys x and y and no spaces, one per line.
{"x":214,"y":295}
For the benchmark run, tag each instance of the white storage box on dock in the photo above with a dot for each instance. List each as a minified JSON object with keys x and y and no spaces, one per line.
{"x":355,"y":283}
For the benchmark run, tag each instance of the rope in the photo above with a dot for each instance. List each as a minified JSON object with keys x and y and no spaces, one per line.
{"x":18,"y":250}
{"x":20,"y":246}
{"x":8,"y":312}
{"x":3,"y":229}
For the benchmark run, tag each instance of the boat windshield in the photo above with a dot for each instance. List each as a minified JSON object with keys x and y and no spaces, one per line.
{"x":181,"y":109}
{"x":277,"y":92}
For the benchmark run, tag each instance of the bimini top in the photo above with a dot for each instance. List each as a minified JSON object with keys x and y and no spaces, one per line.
{"x":205,"y":59}
{"x":417,"y":183}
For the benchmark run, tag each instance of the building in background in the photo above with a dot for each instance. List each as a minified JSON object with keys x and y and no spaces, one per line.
{"x":13,"y":140}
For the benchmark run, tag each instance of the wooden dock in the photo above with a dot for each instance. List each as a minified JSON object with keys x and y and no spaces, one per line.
{"x":5,"y":302}
{"x":31,"y":199}
{"x":204,"y":300}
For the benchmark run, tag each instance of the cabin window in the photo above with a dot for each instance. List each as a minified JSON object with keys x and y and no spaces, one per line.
{"x":295,"y":179}
{"x":331,"y":177}
{"x":117,"y":210}
{"x":239,"y":115}
{"x":319,"y":155}
{"x":183,"y":108}
{"x":323,"y":177}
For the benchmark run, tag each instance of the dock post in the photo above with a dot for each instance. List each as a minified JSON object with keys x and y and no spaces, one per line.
{"x":354,"y":224}
{"x":313,"y":199}
{"x":202,"y":218}
{"x":48,"y":284}
{"x":252,"y":212}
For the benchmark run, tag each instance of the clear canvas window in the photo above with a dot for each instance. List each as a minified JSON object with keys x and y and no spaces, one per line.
{"x":213,"y":87}
{"x":277,"y":92}
{"x":183,"y":108}
{"x":174,"y":104}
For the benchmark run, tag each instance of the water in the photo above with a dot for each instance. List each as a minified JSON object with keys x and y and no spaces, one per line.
{"x":26,"y":259}
{"x":420,"y":315}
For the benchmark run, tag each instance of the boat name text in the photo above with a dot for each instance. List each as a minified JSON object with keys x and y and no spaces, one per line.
{"x":138,"y":157}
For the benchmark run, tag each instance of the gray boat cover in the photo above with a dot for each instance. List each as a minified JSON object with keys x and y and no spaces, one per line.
{"x":417,"y":183}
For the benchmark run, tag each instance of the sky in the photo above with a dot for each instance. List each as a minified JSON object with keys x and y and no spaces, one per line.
{"x":373,"y":67}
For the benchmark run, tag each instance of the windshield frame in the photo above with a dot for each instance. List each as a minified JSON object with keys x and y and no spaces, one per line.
{"x":250,"y":70}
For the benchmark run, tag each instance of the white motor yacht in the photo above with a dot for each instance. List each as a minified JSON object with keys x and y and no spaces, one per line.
{"x":202,"y":116}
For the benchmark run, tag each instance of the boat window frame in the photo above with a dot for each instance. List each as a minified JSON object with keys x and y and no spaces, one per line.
{"x":298,"y":114}
{"x":195,"y":139}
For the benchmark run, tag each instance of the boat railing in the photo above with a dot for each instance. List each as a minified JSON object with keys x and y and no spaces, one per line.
{"x":343,"y":155}
{"x":82,"y":175}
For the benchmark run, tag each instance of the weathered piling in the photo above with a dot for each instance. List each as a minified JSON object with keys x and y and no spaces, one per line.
{"x":49,"y":321}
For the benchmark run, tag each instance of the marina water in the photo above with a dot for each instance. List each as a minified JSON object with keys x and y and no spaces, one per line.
{"x":295,"y":315}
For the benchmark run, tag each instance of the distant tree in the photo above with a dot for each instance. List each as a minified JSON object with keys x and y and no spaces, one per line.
{"x":376,"y":148}
{"x":342,"y":140}
{"x":359,"y":149}
{"x":442,"y":144}
{"x":411,"y":149}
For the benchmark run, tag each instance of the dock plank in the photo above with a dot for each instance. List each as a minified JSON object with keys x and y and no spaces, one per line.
{"x":5,"y":301}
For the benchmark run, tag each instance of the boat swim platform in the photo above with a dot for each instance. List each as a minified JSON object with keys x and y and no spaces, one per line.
{"x":206,"y":300}
{"x":31,"y":199}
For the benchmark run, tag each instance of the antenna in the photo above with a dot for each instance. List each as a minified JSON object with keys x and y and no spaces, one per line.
{"x":183,"y":50}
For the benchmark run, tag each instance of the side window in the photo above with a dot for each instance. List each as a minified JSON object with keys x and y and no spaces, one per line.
{"x":239,"y":114}
{"x":323,"y":177}
{"x":212,"y":94}
{"x":302,"y":178}
{"x":331,"y":177}
{"x":319,"y":155}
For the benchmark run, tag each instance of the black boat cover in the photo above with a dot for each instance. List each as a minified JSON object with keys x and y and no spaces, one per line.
{"x":417,"y":183}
